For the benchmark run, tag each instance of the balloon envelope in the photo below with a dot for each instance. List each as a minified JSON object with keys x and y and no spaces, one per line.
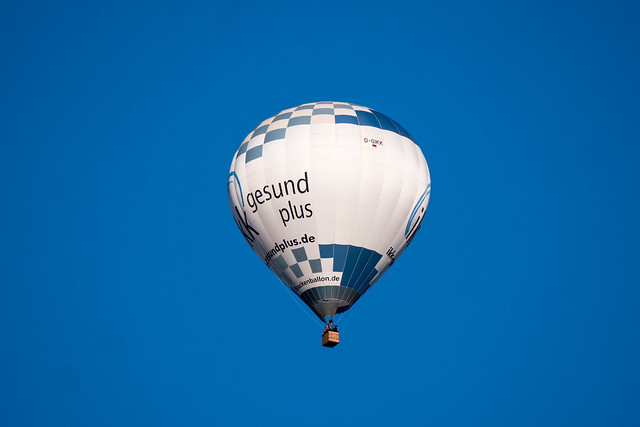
{"x":328,"y":195}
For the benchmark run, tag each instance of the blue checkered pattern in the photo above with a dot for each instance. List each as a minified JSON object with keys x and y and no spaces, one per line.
{"x":279,"y":265}
{"x":275,"y":128}
{"x":357,"y":265}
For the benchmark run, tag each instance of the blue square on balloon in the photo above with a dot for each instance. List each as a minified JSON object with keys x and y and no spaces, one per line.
{"x":243,"y":148}
{"x":296,"y":270}
{"x":326,"y":251}
{"x":274,"y":135}
{"x":316,"y":265}
{"x":300,"y":120}
{"x":254,"y":153}
{"x":322,"y":111}
{"x":339,"y":257}
{"x":282,"y":116}
{"x":260,"y":131}
{"x":385,"y":122}
{"x":367,"y":119}
{"x":281,"y":262}
{"x":300,"y":254}
{"x":344,"y":118}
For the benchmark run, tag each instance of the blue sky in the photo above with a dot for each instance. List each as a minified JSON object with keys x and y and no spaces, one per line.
{"x":128,"y":296}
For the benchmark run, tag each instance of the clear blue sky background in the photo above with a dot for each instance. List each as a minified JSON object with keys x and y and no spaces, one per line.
{"x":128,"y":296}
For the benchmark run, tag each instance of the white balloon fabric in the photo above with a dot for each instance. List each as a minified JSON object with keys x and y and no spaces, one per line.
{"x":329,"y":194}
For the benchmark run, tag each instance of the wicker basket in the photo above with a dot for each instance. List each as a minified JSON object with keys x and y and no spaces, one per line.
{"x":330,"y":339}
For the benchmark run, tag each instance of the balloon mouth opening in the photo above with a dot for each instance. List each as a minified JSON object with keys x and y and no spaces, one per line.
{"x":325,"y":309}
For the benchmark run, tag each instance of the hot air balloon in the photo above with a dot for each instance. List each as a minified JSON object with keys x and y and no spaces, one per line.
{"x":328,"y":195}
